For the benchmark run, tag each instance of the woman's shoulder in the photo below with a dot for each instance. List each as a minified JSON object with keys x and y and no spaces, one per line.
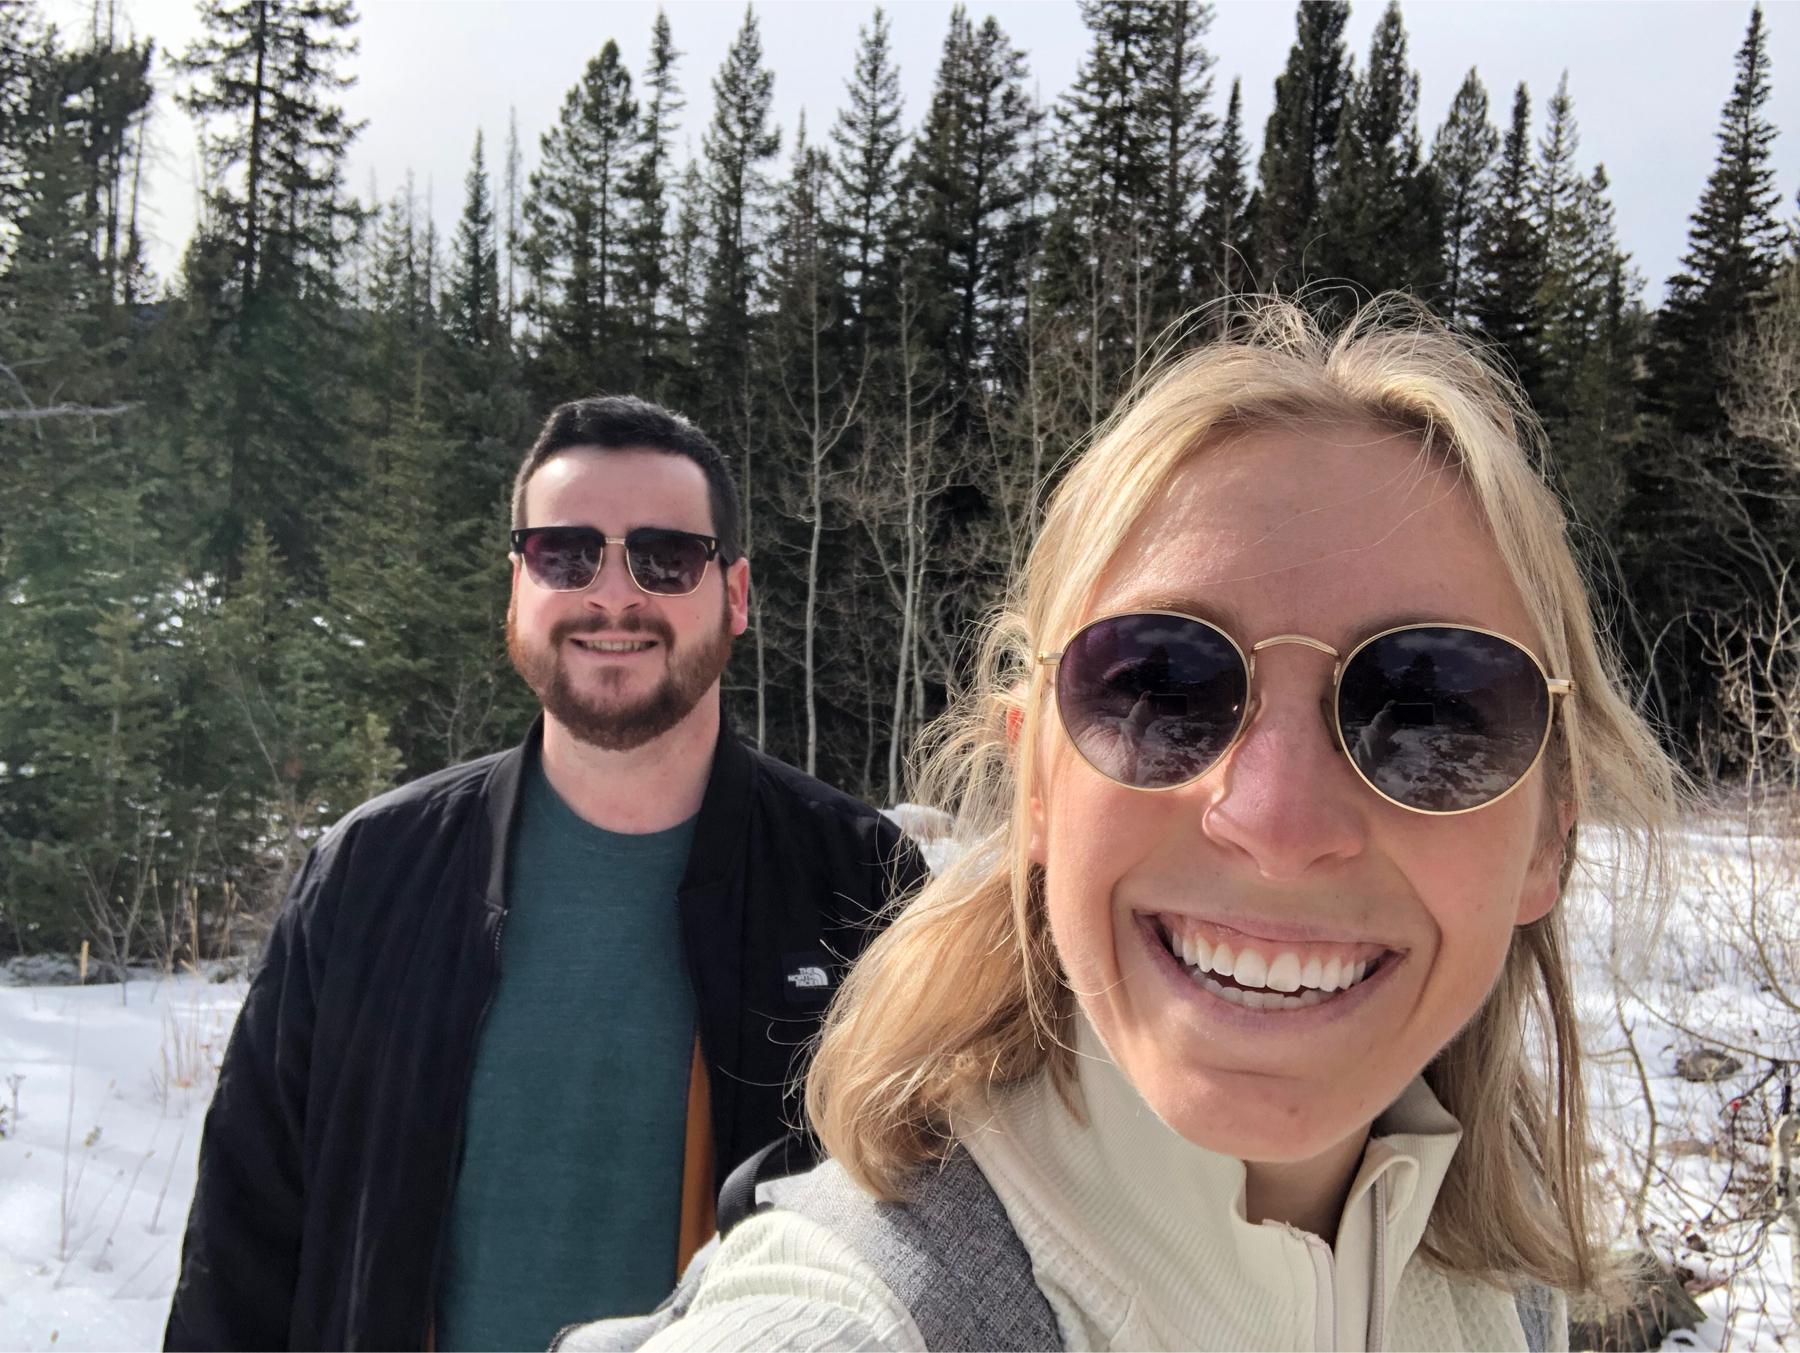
{"x":784,"y":1280}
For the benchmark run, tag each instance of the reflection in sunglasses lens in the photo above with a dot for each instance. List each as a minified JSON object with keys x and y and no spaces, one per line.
{"x":666,"y":563}
{"x":1443,"y":718}
{"x":564,"y":561}
{"x":1151,"y":700}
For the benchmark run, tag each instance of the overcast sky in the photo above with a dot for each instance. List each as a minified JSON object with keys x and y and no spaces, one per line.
{"x":1648,"y":80}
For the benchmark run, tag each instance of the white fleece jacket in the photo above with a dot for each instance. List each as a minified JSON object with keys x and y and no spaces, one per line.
{"x":1138,"y":1239}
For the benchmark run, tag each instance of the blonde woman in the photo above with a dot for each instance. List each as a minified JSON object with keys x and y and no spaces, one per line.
{"x":1250,"y":1005}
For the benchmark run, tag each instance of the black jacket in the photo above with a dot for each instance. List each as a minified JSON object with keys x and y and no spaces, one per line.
{"x":331,"y":1146}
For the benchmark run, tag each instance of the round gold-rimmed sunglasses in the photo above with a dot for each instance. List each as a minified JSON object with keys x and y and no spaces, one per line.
{"x":1436,"y":718}
{"x":662,"y":561}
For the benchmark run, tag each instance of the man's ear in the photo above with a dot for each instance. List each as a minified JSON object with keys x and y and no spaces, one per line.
{"x":1549,"y":867}
{"x":737,"y":593}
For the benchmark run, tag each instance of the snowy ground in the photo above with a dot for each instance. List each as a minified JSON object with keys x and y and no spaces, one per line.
{"x":102,"y":1090}
{"x":97,"y":1160}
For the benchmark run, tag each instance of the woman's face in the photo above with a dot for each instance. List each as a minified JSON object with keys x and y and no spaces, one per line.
{"x":1280,"y":849}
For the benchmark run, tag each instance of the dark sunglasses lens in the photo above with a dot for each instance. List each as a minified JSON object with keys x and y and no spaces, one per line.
{"x":1443,"y":719}
{"x":1151,"y":700}
{"x":563,"y":560}
{"x":666,"y":562}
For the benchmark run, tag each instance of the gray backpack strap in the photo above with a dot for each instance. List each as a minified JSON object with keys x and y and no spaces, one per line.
{"x":949,"y":1254}
{"x":1537,"y":1308}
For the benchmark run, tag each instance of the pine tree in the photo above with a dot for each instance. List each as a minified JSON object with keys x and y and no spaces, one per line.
{"x":739,"y":142}
{"x":1735,"y":245}
{"x":1509,"y":268}
{"x":864,"y":191}
{"x":1300,"y":143}
{"x":576,"y":235}
{"x":483,"y":406}
{"x":647,"y":186}
{"x":1135,"y":127}
{"x":268,"y":70}
{"x":261,"y":282}
{"x":687,"y":285}
{"x":472,"y":300}
{"x":401,"y":337}
{"x":1175,"y":106}
{"x":1381,"y":209}
{"x":1462,"y":157}
{"x":1224,"y":264}
{"x":969,"y":193}
{"x":1112,"y":151}
{"x":1575,"y":265}
{"x":1592,"y":443}
{"x":1099,"y":235}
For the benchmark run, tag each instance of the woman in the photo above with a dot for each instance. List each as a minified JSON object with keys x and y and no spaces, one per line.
{"x":1276,"y":763}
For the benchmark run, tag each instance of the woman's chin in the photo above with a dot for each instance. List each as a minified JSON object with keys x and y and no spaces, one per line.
{"x":1254,"y":1118}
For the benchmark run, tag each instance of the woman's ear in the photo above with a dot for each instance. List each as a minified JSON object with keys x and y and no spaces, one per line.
{"x":1015,"y":730}
{"x":1549,"y":869}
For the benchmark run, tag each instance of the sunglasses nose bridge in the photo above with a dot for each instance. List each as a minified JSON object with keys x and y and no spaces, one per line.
{"x":612,"y":574}
{"x":1304,"y":641}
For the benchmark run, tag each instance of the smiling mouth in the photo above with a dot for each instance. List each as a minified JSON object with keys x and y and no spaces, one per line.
{"x":614,"y":645}
{"x":1268,"y":975}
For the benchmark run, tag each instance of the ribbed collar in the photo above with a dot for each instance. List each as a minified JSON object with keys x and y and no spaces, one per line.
{"x":1146,"y":1234}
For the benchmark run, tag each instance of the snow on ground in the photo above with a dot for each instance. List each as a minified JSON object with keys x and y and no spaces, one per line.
{"x":102,"y":1090}
{"x":94,"y":1187}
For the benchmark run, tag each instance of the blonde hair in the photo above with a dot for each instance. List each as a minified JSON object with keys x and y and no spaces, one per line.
{"x":964,"y":990}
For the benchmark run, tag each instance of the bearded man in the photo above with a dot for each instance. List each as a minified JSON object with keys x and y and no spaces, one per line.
{"x":517,"y":1017}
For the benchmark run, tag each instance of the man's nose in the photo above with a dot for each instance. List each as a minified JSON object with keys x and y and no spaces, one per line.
{"x":613,"y":589}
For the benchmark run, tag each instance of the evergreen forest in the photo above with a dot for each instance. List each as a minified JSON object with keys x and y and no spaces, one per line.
{"x":253,"y":559}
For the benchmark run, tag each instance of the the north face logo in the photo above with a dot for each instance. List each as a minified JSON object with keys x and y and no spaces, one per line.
{"x":808,"y":978}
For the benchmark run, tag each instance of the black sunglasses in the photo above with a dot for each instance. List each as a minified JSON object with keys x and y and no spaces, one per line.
{"x":661,"y":561}
{"x":1436,"y":718}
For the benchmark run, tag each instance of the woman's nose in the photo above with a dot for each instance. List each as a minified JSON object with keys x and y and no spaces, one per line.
{"x":1285,"y":797}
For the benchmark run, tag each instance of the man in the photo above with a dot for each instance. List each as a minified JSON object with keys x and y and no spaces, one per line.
{"x":518,"y":1017}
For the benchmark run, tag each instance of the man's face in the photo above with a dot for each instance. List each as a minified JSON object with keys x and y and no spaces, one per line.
{"x":615,"y":666}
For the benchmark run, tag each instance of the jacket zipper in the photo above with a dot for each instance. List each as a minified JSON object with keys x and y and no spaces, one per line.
{"x":462,"y":1127}
{"x":1325,"y":1307}
{"x":1378,"y":1292}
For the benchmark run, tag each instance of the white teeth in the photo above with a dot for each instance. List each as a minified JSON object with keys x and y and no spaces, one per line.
{"x":614,"y":645}
{"x":1252,"y":969}
{"x":1265,"y":983}
{"x":1261,"y":1000}
{"x":1284,"y":973}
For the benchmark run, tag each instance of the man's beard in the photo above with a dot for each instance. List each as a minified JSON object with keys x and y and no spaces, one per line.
{"x":611,"y":724}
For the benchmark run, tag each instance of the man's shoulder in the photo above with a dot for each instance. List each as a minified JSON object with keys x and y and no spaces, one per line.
{"x":425,"y":802}
{"x":839,"y":829}
{"x":776,"y":779}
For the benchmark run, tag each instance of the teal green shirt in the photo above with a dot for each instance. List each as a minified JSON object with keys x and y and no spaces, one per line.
{"x":567,"y":1205}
